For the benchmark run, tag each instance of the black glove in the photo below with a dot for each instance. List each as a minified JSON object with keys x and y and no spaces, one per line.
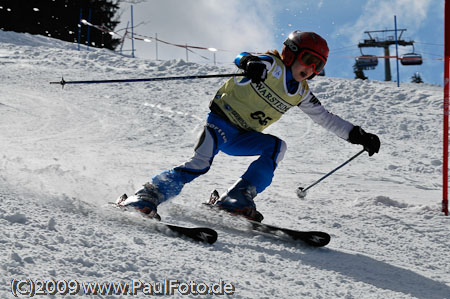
{"x":371,"y":142}
{"x":254,"y":68}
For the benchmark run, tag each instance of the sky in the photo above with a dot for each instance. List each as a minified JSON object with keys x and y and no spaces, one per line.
{"x":234,"y":26}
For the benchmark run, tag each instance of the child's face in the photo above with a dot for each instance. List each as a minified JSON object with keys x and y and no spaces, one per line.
{"x":301,"y":72}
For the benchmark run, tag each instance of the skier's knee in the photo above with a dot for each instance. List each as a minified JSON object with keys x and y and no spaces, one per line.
{"x":281,"y":151}
{"x":198,"y":163}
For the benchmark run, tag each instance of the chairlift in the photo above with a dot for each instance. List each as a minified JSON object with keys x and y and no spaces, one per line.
{"x":366,"y":62}
{"x":411,"y":58}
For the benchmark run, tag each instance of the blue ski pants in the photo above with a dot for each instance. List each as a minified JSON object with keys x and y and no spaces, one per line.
{"x":221,"y":135}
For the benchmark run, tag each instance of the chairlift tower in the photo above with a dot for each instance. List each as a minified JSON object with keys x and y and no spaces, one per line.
{"x":385,"y":42}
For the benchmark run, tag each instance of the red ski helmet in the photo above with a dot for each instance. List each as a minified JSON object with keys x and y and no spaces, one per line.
{"x":298,"y":41}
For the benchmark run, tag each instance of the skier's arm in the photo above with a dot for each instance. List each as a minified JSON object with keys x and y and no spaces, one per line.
{"x":342,"y":128}
{"x":255,"y":67}
{"x":243,"y":58}
{"x":333,"y":123}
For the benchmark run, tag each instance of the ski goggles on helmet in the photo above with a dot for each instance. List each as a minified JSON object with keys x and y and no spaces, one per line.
{"x":310,"y":59}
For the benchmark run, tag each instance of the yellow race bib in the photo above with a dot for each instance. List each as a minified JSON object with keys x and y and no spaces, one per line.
{"x":256,"y":106}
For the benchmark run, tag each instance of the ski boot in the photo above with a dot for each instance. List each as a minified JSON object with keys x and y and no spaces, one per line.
{"x":145,"y":200}
{"x":238,"y":201}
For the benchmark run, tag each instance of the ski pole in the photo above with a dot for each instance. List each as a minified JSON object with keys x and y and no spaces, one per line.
{"x":64,"y":82}
{"x":301,"y":192}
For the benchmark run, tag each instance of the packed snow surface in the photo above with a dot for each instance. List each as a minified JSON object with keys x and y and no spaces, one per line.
{"x":66,"y":153}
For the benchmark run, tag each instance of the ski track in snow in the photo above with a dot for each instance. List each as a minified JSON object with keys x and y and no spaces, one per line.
{"x":66,"y":153}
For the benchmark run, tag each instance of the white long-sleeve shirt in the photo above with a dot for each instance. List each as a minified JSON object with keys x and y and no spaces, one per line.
{"x":333,"y":123}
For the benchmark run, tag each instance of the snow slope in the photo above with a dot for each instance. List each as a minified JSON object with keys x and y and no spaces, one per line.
{"x":66,"y":153}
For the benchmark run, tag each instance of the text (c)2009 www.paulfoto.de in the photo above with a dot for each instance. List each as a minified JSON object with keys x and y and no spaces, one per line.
{"x":37,"y":287}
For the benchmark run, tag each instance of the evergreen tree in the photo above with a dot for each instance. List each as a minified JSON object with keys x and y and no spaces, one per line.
{"x":60,"y":19}
{"x":416,"y":78}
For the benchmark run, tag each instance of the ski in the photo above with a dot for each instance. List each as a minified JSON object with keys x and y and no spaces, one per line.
{"x":312,"y":238}
{"x":199,"y":234}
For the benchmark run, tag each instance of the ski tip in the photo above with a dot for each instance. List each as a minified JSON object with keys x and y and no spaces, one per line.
{"x":208,"y":235}
{"x":199,"y":234}
{"x":202,"y":234}
{"x":318,"y":239}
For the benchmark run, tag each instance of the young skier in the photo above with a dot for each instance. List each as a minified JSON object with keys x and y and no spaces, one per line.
{"x":242,"y":108}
